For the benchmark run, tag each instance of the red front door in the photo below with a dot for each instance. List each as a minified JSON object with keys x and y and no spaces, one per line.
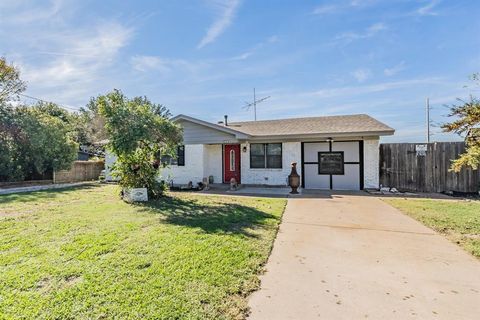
{"x":231,"y":164}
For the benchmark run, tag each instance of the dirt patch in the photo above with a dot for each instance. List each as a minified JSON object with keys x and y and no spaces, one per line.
{"x":72,"y":280}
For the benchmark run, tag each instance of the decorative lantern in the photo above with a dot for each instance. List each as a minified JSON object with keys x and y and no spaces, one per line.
{"x":294,"y":179}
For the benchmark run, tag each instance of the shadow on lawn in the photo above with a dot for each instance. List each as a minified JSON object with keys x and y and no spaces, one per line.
{"x":228,"y":218}
{"x":43,"y":194}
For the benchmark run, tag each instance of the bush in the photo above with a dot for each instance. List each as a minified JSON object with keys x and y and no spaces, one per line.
{"x":139,"y":131}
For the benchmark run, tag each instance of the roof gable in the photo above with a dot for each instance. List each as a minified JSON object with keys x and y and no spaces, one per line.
{"x":199,"y":131}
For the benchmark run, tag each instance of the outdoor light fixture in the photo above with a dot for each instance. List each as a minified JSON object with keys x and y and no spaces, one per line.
{"x":244,"y":148}
{"x":329,"y":139}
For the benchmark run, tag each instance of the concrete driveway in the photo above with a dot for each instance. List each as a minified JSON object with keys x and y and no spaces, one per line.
{"x":355,"y":257}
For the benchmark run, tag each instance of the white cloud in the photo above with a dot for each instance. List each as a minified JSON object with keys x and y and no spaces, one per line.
{"x":62,"y":62}
{"x":227,"y":10}
{"x":83,"y":54}
{"x":361,"y":75}
{"x":394,"y":70}
{"x":427,"y":10}
{"x":247,"y":54}
{"x":148,"y":63}
{"x":244,"y":55}
{"x":367,"y":33}
{"x":339,"y":6}
{"x":326,"y":8}
{"x":165,"y":66}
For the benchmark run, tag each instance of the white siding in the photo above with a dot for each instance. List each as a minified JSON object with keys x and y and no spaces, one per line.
{"x":311,"y":151}
{"x":348,"y":181}
{"x":351,"y":151}
{"x":291,"y":152}
{"x":313,"y":180}
{"x":371,"y":159}
{"x":197,"y":134}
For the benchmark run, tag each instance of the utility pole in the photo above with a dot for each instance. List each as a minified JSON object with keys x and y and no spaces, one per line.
{"x":427,"y":111}
{"x":254,"y":103}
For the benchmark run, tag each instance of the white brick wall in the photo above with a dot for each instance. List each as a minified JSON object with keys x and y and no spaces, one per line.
{"x":213,"y":162}
{"x":205,"y":160}
{"x":191,"y":171}
{"x":371,"y":159}
{"x":291,"y":153}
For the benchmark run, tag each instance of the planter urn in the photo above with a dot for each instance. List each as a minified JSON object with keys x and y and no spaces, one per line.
{"x":294,"y":179}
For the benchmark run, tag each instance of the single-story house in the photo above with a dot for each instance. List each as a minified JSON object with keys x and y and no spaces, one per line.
{"x":332,"y":152}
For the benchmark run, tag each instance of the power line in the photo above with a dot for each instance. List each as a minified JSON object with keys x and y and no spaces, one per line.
{"x":45,"y":101}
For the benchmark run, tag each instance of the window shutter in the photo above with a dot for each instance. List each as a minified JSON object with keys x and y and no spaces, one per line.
{"x":181,"y":155}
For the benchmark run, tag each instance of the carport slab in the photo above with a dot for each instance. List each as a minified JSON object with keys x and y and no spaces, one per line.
{"x":354,"y":257}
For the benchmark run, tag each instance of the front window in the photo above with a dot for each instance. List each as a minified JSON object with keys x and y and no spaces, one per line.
{"x":266,"y":155}
{"x":177,"y":160}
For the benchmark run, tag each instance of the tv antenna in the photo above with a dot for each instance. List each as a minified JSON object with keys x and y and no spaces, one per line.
{"x":248,"y":105}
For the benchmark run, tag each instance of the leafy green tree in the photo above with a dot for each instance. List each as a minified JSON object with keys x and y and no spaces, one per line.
{"x":33,"y":141}
{"x":467,"y":123}
{"x":10,"y":83}
{"x":12,"y":145}
{"x":138,"y":131}
{"x":91,"y":124}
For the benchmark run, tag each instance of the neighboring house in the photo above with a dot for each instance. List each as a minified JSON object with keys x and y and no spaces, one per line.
{"x":333,"y":152}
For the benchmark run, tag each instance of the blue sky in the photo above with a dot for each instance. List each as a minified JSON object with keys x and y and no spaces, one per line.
{"x":203,"y":58}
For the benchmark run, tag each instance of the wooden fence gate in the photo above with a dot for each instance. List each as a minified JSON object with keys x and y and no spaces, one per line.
{"x":425,"y":167}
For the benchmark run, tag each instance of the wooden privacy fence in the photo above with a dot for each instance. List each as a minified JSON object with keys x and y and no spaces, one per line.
{"x":80,"y":171}
{"x":425,"y":167}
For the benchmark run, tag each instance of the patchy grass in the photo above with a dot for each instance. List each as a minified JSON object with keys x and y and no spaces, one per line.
{"x":83,"y":253}
{"x":458,"y":220}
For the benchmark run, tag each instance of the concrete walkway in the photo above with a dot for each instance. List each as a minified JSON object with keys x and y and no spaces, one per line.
{"x":42,"y":187}
{"x":355,"y":257}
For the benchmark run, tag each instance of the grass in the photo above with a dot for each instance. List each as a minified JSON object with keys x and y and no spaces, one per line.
{"x":458,"y":220}
{"x":83,"y":253}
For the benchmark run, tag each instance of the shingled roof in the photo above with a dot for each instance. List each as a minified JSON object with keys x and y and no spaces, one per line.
{"x":347,"y":124}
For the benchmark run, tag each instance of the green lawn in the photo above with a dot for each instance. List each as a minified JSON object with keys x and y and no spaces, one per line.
{"x":83,"y":253}
{"x":457,"y":219}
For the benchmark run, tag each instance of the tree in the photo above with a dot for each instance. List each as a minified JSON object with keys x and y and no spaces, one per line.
{"x":91,"y":124}
{"x":33,"y":141}
{"x":467,"y":123}
{"x":138,"y":131}
{"x":12,"y":144}
{"x":10,"y":83}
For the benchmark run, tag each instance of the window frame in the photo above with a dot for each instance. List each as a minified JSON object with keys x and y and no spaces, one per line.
{"x":265,"y":155}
